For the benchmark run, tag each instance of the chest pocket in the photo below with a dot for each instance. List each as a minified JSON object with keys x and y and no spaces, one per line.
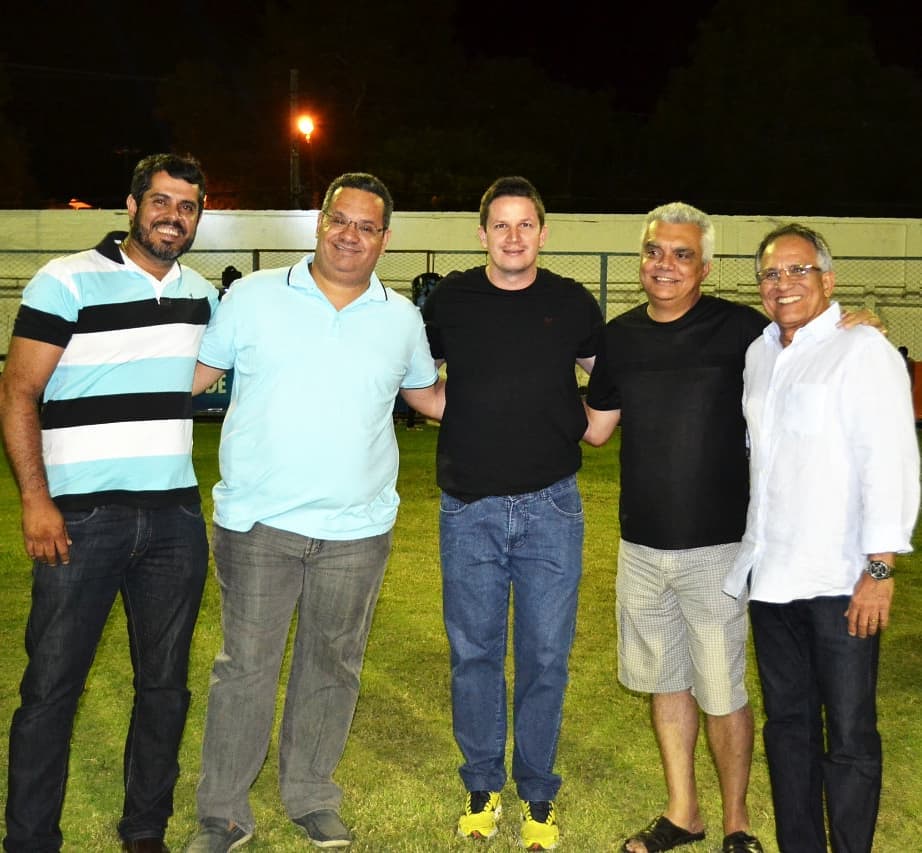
{"x":805,"y":408}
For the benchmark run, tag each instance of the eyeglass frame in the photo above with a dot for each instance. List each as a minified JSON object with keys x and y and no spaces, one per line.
{"x":797,"y":272}
{"x":364,"y":228}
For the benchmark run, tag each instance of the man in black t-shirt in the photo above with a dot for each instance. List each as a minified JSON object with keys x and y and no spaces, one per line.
{"x":511,"y":517}
{"x":670,"y":372}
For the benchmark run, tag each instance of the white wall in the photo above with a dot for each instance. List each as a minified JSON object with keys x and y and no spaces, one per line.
{"x":67,"y":230}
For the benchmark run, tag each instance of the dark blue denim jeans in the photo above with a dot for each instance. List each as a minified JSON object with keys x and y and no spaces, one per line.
{"x":532,"y":545}
{"x":809,"y":666}
{"x":157,"y":559}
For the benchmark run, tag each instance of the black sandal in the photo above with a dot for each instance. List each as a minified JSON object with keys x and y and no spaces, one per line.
{"x":741,"y":842}
{"x":663,"y":834}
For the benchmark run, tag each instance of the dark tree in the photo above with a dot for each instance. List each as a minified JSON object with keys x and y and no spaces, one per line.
{"x":785,"y":108}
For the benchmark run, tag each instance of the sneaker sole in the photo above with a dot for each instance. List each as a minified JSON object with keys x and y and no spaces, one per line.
{"x":332,"y":844}
{"x":233,"y":846}
{"x":537,"y":845}
{"x":476,"y":834}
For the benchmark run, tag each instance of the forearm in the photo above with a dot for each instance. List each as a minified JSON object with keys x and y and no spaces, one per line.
{"x":22,"y":437}
{"x":429,"y":402}
{"x":205,"y":377}
{"x":43,"y":530}
{"x":601,"y":425}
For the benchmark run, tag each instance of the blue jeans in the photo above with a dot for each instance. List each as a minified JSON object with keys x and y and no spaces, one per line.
{"x":265,"y":575}
{"x":531,"y":544}
{"x":157,"y":559}
{"x":809,"y":665}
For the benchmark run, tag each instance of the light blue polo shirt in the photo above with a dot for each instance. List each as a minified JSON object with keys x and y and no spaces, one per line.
{"x":308,"y":440}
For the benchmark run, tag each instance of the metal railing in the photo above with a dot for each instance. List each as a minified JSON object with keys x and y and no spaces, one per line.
{"x":891,"y":286}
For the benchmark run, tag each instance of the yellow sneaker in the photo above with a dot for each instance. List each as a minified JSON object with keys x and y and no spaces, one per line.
{"x":539,"y":825}
{"x":481,"y":809}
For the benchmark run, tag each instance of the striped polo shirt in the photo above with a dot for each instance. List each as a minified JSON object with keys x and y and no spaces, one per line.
{"x":116,"y":415}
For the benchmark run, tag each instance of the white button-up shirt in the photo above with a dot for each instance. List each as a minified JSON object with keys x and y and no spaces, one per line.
{"x":834,"y":466}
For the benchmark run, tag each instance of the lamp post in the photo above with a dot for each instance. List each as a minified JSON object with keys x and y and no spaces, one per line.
{"x":301,"y":125}
{"x":306,"y":129}
{"x":294,"y":166}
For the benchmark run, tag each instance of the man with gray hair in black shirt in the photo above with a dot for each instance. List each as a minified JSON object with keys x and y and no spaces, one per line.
{"x":670,"y":371}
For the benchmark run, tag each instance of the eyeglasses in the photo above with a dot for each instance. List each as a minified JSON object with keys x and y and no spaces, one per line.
{"x":338,"y":222}
{"x":795,"y":272}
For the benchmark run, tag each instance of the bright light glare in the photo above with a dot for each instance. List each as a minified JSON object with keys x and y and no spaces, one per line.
{"x":305,"y":126}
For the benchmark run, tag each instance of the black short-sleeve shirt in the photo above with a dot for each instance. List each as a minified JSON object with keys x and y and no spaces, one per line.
{"x":679,"y":386}
{"x":513,"y":416}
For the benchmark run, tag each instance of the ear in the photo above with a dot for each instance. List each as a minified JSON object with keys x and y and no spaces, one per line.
{"x":132,"y":207}
{"x":829,"y":282}
{"x":705,"y":270}
{"x":542,"y":237}
{"x":482,"y":234}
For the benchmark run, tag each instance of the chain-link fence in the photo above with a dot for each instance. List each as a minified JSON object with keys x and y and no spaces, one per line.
{"x":890,"y":286}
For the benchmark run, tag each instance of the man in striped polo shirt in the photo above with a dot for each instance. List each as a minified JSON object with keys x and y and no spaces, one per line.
{"x":95,"y":409}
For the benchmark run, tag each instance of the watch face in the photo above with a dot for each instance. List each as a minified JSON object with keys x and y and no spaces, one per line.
{"x":879,"y":570}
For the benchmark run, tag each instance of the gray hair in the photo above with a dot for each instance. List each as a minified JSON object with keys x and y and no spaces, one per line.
{"x":795,"y":229}
{"x":680,"y":213}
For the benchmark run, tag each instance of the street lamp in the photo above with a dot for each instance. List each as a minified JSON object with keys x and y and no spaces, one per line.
{"x":305,"y":126}
{"x":306,"y":129}
{"x":302,"y":125}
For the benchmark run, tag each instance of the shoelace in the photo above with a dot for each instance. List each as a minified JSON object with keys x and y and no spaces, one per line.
{"x":538,"y":810}
{"x":479,"y":800}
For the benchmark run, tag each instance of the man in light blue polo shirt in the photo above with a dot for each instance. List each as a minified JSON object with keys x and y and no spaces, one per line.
{"x":305,"y":507}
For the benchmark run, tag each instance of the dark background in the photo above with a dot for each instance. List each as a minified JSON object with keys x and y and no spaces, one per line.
{"x":795,"y":107}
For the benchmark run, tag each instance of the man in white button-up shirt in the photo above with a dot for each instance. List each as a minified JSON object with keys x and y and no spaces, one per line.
{"x":834,"y":497}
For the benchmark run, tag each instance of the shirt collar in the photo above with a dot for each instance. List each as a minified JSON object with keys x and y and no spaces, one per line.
{"x":110,"y":247}
{"x":299,"y":276}
{"x":818,"y":328}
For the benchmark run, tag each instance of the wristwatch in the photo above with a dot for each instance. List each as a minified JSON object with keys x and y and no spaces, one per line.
{"x":879,"y":570}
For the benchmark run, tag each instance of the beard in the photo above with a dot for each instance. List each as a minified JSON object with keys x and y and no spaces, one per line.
{"x":147,"y":238}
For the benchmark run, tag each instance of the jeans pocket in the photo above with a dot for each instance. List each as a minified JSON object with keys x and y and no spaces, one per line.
{"x":568,"y":503}
{"x":76,"y":517}
{"x":451,"y":505}
{"x":192,"y":510}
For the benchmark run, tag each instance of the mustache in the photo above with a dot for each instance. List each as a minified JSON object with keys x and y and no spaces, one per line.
{"x":174,"y":223}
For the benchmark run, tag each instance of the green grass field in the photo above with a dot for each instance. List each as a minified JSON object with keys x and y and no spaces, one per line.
{"x":400,"y":768}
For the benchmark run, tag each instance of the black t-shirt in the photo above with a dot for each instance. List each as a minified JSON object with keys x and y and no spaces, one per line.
{"x":513,"y":416}
{"x":679,"y":385}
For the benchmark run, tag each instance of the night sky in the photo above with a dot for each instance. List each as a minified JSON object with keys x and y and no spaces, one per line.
{"x":78,"y":82}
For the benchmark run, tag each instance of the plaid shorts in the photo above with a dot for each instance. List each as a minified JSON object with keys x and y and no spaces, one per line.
{"x":677,"y":629}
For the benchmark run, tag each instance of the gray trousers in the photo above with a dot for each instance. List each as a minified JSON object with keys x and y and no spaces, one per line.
{"x":265,"y":575}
